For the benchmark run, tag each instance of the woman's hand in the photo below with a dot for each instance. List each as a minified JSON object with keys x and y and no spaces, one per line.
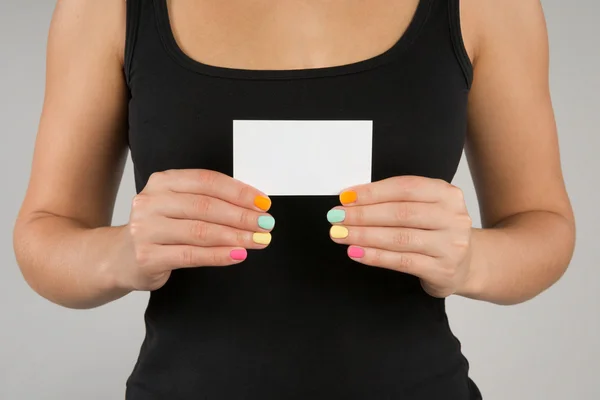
{"x":192,"y":218}
{"x":419,"y":226}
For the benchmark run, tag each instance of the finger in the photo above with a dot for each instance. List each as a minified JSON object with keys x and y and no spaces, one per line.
{"x":419,"y":265}
{"x":399,"y":188}
{"x":204,"y":234}
{"x":181,"y":256}
{"x":406,"y":214}
{"x":393,"y":239}
{"x":210,"y":209}
{"x":212,"y":184}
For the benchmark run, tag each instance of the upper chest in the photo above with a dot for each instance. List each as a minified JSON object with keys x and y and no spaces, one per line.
{"x":264,"y":34}
{"x":187,"y":93}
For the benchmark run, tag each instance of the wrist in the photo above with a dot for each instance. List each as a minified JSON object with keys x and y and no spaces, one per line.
{"x":473,"y":286}
{"x":113,"y":268}
{"x":475,"y":282}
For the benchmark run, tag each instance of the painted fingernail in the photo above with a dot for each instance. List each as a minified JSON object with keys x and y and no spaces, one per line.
{"x":348,"y":197}
{"x":338,"y":232}
{"x":266,"y":222}
{"x":336,"y":215}
{"x":356,"y":252}
{"x":261,"y":238}
{"x":262,"y":202}
{"x":239,"y":254}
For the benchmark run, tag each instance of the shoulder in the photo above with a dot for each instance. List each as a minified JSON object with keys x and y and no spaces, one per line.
{"x":90,"y":24}
{"x":491,"y":24}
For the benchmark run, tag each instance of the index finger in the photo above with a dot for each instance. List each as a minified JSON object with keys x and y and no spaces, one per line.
{"x":398,"y":188}
{"x":210,"y":183}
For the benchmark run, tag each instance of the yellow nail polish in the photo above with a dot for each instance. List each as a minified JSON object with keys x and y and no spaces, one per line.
{"x":338,"y":232}
{"x":262,"y":202}
{"x":261,"y":238}
{"x":348,"y":197}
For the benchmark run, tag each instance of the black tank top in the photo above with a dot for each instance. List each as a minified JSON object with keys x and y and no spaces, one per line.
{"x":285,"y":324}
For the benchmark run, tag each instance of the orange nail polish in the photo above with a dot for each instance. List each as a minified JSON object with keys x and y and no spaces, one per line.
{"x":348,"y":197}
{"x":262,"y":202}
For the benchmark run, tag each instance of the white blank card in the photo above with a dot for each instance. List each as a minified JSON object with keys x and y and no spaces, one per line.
{"x":302,"y":157}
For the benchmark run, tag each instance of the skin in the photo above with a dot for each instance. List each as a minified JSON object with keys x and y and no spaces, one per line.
{"x":69,"y":253}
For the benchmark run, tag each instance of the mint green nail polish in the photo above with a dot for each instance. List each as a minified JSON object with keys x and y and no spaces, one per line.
{"x":334,"y":216}
{"x":266,"y":222}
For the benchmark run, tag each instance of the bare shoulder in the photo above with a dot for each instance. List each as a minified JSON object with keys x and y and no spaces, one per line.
{"x":490,"y":23}
{"x":512,"y":142}
{"x":90,"y":24}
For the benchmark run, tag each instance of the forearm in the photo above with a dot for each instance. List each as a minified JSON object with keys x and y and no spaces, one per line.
{"x":519,"y":258}
{"x":70,"y":264}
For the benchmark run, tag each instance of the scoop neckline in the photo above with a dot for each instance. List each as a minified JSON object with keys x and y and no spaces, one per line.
{"x":166,"y":33}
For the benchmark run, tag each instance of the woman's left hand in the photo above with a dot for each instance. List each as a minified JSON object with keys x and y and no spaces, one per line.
{"x":415,"y":225}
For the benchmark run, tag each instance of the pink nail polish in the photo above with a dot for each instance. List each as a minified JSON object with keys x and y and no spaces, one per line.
{"x":356,"y":252}
{"x":239,"y":255}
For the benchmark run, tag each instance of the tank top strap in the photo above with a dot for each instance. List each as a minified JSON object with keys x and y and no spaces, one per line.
{"x":134,"y":11}
{"x":439,"y":20}
{"x":442,"y":31}
{"x":457,"y":39}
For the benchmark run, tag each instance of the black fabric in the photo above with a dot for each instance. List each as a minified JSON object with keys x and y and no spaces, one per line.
{"x":133,"y":14}
{"x":299,"y":320}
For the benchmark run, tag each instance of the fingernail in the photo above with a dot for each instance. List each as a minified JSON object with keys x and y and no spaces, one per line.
{"x":356,"y":252}
{"x":261,"y":238}
{"x":239,"y":254}
{"x":348,"y":197}
{"x":262,"y":202}
{"x":266,"y":222}
{"x":338,"y":232}
{"x":336,"y":215}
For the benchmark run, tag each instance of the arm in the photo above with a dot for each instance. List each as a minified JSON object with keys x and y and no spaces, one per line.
{"x":421,"y":226}
{"x":62,"y":240}
{"x":512,"y":148}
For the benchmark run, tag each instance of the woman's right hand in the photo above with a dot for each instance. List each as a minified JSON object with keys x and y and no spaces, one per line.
{"x":191,"y":218}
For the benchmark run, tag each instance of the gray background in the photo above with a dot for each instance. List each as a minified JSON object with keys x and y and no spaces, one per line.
{"x":548,"y":348}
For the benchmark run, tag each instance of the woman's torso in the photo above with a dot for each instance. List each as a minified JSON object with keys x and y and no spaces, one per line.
{"x":298,"y":319}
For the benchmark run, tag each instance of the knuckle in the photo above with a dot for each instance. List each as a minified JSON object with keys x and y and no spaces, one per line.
{"x":402,"y":238}
{"x":200,"y":230}
{"x":409,"y":183}
{"x":461,"y":243}
{"x":206,"y":178}
{"x":135,"y":229}
{"x":142,"y":256}
{"x":378,"y":257}
{"x":186,"y":256}
{"x":449,"y":273}
{"x":367,"y":192}
{"x":244,"y":218}
{"x":405,"y":262}
{"x":457,"y":193}
{"x":243,"y":193}
{"x":358,"y":214}
{"x":359,"y":235}
{"x":466,"y":221}
{"x":412,"y":180}
{"x":157,"y":178}
{"x":139,"y":202}
{"x":403,"y":212}
{"x":201,"y":205}
{"x":215,"y":258}
{"x":240,"y":238}
{"x":442,"y":182}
